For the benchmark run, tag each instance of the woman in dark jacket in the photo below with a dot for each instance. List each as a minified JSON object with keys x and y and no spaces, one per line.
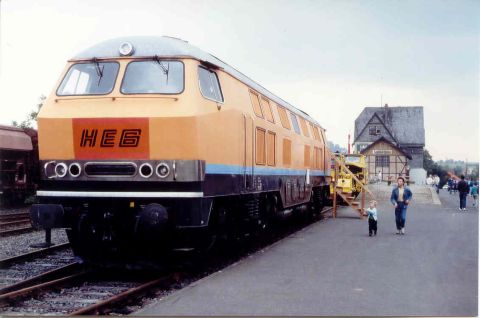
{"x":400,"y":199}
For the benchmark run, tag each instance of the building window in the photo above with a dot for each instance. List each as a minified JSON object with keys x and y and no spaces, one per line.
{"x":382,"y":161}
{"x":374,"y":130}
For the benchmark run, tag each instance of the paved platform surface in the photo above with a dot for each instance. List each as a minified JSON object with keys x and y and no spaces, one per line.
{"x":333,"y":268}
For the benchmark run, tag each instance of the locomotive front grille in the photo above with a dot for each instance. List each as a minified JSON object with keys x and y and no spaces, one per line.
{"x":110,"y":169}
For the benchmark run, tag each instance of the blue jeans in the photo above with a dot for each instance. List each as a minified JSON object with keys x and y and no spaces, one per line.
{"x":463,"y":200}
{"x":400,"y":215}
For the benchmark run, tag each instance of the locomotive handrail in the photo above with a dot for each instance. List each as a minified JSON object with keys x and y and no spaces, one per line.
{"x":113,"y":98}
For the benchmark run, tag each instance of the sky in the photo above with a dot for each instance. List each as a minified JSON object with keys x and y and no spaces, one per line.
{"x":328,"y":58}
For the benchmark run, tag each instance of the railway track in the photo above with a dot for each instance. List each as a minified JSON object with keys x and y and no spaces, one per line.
{"x":81,"y":292}
{"x":30,"y":268}
{"x":16,"y":231}
{"x":14,"y":217}
{"x":14,"y":224}
{"x":31,"y":255}
{"x":75,"y":290}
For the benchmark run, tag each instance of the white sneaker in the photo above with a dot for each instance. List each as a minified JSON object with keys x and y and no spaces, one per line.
{"x":398,"y":232}
{"x":402,"y":231}
{"x":460,"y":209}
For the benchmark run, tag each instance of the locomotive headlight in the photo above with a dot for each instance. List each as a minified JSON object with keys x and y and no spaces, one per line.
{"x":126,"y":49}
{"x":146,"y":170}
{"x":61,"y":170}
{"x":49,"y":169}
{"x":74,"y":169}
{"x":162,"y":170}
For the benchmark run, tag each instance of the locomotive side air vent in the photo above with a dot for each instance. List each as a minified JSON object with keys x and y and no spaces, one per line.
{"x":110,"y":169}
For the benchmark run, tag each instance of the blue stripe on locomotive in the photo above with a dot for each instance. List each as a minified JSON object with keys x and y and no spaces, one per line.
{"x":234,"y":169}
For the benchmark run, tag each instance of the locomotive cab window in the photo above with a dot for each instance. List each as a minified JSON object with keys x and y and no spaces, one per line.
{"x":153,"y":77}
{"x":209,"y":85}
{"x":95,"y":78}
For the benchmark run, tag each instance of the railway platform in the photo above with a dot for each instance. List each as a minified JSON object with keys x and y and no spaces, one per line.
{"x":334,"y":268}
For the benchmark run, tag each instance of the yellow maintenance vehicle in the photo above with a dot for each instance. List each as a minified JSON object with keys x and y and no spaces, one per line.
{"x":349,"y":182}
{"x":357,"y":165}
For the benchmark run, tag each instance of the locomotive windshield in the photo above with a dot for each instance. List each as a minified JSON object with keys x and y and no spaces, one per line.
{"x":89,"y":79}
{"x":153,"y":77}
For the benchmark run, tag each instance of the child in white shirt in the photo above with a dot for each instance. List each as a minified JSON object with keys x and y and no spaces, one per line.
{"x":372,"y":218}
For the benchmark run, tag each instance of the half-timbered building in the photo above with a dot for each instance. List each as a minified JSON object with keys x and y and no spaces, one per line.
{"x":393,"y":138}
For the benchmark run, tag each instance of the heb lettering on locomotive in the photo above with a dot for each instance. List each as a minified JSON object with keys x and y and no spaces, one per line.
{"x":111,"y":138}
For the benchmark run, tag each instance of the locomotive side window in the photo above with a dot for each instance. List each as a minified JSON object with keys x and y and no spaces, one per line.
{"x":315,"y":132}
{"x":306,"y":156}
{"x":312,"y":129}
{"x":268,"y":110}
{"x":260,"y":147}
{"x":295,"y":123}
{"x":287,"y":151}
{"x":209,"y":85}
{"x":321,"y":136}
{"x":283,"y":117}
{"x":257,"y":108}
{"x":303,"y":123}
{"x":153,"y":77}
{"x":271,"y":148}
{"x":317,"y":158}
{"x":89,"y":79}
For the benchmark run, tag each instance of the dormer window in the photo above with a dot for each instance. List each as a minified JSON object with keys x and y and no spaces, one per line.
{"x":374,"y":130}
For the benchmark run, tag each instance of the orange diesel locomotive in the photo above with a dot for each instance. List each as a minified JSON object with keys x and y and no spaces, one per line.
{"x":150,"y":144}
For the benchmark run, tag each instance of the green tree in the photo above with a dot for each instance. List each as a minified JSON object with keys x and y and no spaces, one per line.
{"x":428,"y":163}
{"x":434,"y":168}
{"x":32,"y":116}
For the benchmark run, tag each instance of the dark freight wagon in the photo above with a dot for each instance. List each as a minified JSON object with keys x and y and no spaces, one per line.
{"x":18,"y":164}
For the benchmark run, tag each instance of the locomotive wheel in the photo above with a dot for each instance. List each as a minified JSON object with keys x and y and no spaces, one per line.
{"x":317,"y":201}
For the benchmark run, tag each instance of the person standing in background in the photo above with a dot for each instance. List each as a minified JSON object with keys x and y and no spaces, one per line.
{"x":474,"y":192}
{"x":436,"y":182}
{"x":463,"y":190}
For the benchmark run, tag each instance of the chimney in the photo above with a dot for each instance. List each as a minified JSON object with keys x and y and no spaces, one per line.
{"x":385,"y":114}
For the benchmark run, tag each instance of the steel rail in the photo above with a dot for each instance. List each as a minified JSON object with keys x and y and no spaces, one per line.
{"x":100,"y":307}
{"x":14,"y":216}
{"x":16,"y":222}
{"x":40,"y":278}
{"x":23,"y":257}
{"x":16,"y":231}
{"x":11,"y":296}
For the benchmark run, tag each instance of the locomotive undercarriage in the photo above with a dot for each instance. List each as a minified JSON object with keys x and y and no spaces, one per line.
{"x":114,"y":231}
{"x":122,"y":229}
